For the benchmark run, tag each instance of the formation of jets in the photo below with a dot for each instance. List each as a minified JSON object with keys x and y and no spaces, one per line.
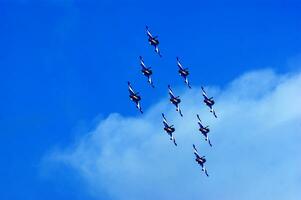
{"x":175,"y":100}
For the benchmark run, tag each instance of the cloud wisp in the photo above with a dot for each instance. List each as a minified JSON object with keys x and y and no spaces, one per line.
{"x":255,"y":154}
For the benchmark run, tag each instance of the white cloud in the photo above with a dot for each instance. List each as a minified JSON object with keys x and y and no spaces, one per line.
{"x":255,"y":154}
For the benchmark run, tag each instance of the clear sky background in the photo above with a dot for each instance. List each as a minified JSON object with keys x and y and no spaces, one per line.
{"x":65,"y":63}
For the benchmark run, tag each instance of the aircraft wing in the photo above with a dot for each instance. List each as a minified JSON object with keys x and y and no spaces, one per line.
{"x":170,"y":92}
{"x":201,"y":126}
{"x":139,"y":107}
{"x":209,"y":143}
{"x":196,"y":152}
{"x":131,"y":89}
{"x":214,"y":113}
{"x":206,"y":173}
{"x":142,"y":62}
{"x":149,"y":80}
{"x":148,"y":33}
{"x":187,"y":82}
{"x":164,"y":120}
{"x":179,"y":64}
{"x":204,"y":93}
{"x":199,"y":122}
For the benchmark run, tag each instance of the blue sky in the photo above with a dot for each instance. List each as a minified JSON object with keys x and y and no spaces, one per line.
{"x":64,"y":66}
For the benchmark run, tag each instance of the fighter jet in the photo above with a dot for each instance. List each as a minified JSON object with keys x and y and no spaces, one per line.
{"x":204,"y":130}
{"x":183,"y":72}
{"x":135,"y":97}
{"x":200,"y":160}
{"x":209,"y":102}
{"x":146,"y":71}
{"x":153,"y":40}
{"x":175,"y":100}
{"x":169,"y":129}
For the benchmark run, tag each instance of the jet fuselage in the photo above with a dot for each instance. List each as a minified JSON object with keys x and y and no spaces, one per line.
{"x":135,"y":98}
{"x":147,"y":72}
{"x":169,"y":129}
{"x":209,"y":102}
{"x":183,"y":73}
{"x":153,"y":41}
{"x":204,"y":130}
{"x":175,"y":100}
